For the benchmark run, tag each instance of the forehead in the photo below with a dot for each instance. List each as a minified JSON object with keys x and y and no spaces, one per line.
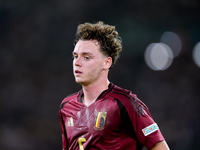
{"x":87,"y":46}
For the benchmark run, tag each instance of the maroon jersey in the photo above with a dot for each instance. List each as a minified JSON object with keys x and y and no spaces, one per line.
{"x":116,"y":120}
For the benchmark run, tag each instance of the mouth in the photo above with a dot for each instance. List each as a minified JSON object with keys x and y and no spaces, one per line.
{"x":77,"y":72}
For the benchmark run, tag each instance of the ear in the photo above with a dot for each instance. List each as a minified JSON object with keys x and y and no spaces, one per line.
{"x":107,"y":63}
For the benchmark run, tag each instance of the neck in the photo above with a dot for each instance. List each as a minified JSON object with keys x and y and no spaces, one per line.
{"x":91,"y":92}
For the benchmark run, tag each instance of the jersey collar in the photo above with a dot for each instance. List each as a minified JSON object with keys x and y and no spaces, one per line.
{"x":103,"y":94}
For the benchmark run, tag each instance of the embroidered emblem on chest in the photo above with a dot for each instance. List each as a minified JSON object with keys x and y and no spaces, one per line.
{"x":100,"y":120}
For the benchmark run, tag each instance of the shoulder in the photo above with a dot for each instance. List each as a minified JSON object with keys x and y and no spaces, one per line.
{"x":121,"y":92}
{"x":129,"y":100}
{"x":70,"y":97}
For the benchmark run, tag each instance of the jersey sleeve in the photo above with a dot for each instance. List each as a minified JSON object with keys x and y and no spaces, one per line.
{"x":145,"y":129}
{"x":64,"y":135}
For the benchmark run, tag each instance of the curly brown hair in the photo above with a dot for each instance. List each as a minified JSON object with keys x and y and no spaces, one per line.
{"x":107,"y":36}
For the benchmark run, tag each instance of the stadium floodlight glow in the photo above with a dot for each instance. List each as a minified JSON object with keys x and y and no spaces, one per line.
{"x":158,"y":56}
{"x":173,"y":41}
{"x":196,"y":54}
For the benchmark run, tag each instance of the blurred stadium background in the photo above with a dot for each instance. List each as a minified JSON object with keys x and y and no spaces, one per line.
{"x":159,"y":63}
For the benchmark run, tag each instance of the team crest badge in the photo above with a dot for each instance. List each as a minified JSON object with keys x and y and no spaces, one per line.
{"x":100,"y":120}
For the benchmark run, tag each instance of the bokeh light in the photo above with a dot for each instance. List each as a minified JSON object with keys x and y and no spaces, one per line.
{"x":173,"y":41}
{"x":158,"y":56}
{"x":196,"y":54}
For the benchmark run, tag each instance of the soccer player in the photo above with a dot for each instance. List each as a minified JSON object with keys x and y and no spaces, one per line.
{"x":102,"y":115}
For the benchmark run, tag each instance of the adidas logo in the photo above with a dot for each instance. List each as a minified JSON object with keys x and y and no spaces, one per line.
{"x":70,"y":122}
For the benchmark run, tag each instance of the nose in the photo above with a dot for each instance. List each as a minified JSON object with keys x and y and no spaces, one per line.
{"x":77,"y":62}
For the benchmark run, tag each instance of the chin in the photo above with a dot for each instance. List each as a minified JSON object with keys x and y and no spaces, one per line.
{"x":79,"y":81}
{"x":83,"y":83}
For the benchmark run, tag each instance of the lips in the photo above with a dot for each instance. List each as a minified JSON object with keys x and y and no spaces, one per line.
{"x":77,"y":72}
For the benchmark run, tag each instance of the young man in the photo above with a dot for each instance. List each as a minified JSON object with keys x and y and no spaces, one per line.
{"x":103,"y":115}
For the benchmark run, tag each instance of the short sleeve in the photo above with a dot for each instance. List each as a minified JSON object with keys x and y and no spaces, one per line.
{"x":145,"y":129}
{"x":64,"y":141}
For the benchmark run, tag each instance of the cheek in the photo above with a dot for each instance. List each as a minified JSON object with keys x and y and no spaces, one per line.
{"x":95,"y":69}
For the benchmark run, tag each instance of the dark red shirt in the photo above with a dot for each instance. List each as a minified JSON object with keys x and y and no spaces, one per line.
{"x":117,"y":120}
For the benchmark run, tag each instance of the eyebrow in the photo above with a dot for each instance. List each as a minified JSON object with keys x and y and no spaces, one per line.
{"x":84,"y":53}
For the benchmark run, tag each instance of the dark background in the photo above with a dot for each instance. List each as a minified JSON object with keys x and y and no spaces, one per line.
{"x":36,"y":42}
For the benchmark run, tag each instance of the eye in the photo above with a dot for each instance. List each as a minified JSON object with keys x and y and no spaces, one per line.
{"x":74,"y":56}
{"x":87,"y":57}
